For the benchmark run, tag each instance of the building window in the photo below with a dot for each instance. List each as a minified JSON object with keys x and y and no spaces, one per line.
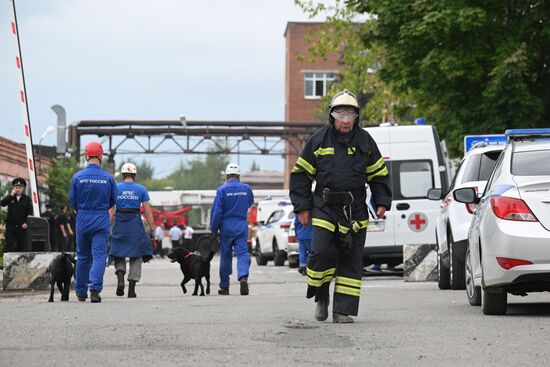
{"x":317,"y":84}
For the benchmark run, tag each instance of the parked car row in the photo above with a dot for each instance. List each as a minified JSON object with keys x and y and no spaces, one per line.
{"x":271,"y":241}
{"x":454,"y":218}
{"x":507,"y":245}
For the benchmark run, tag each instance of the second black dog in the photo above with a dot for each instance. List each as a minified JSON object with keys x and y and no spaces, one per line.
{"x":193,"y":265}
{"x":62,"y":271}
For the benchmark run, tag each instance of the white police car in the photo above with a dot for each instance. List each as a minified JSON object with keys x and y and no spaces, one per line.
{"x":454,"y":218}
{"x":271,"y":242}
{"x":509,"y":237}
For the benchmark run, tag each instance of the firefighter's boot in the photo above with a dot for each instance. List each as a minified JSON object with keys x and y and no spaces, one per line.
{"x":132,"y":289}
{"x":321,"y":310}
{"x":340,"y":318}
{"x":120,"y":283}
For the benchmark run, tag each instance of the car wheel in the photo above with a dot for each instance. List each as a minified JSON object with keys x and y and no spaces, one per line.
{"x":278,"y":256}
{"x":494,"y":301}
{"x":473,"y":292}
{"x":442,"y":273}
{"x":293,"y":261}
{"x":456,"y":266}
{"x":260,"y":259}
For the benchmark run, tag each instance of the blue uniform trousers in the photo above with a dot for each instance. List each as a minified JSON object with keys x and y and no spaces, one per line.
{"x":92,"y":235}
{"x":304,"y":247}
{"x":233,"y":234}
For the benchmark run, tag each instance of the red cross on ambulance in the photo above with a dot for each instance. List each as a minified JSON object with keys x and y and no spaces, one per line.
{"x":417,"y":222}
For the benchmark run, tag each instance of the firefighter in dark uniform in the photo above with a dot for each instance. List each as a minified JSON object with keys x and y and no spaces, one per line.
{"x":341,"y":158}
{"x":19,"y":208}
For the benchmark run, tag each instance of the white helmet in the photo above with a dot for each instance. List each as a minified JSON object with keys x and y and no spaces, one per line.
{"x":344,"y":98}
{"x":232,"y":169}
{"x":129,"y":168}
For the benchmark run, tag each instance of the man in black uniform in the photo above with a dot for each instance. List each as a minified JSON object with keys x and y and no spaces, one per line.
{"x":19,"y":208}
{"x":50,"y":216}
{"x":64,"y":230}
{"x":341,"y":158}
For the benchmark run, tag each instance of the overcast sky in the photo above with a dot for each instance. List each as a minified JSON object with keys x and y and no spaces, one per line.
{"x":135,"y":59}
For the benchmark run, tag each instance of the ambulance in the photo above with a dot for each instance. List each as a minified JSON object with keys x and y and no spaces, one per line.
{"x":417,"y":161}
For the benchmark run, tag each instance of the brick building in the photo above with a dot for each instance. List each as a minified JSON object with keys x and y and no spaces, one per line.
{"x":305,"y":82}
{"x":13,"y":161}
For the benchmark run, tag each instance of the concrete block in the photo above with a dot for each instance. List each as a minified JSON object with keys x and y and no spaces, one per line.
{"x":27,"y":270}
{"x":420,"y":263}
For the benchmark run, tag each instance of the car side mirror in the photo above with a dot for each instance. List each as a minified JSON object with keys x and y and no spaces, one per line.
{"x":466,"y":195}
{"x":435,"y":194}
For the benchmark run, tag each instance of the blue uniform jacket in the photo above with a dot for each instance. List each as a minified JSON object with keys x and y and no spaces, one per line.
{"x":232,"y":202}
{"x":302,"y":232}
{"x":128,"y":237}
{"x":92,"y":190}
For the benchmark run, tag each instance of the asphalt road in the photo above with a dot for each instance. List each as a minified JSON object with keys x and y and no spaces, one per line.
{"x":399,"y":323}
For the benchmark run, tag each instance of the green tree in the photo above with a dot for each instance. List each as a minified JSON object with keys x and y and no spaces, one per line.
{"x":203,"y":174}
{"x":470,"y":67}
{"x":144,"y":169}
{"x":59,"y":180}
{"x":198,"y":174}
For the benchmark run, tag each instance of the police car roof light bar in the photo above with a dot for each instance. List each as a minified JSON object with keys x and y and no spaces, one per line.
{"x":470,"y":141}
{"x":520,"y":134}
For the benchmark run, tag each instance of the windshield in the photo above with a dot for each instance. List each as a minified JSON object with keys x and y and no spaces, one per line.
{"x":480,"y":166}
{"x":531,"y":163}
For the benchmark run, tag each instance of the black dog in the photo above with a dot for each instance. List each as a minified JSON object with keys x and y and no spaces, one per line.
{"x":62,"y":271}
{"x":193,"y":265}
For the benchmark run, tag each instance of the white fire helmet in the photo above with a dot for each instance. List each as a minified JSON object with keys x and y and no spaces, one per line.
{"x":129,"y":168}
{"x":344,"y":98}
{"x":232,"y":169}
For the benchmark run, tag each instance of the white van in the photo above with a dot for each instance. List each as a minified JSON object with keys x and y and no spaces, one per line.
{"x":417,"y":162}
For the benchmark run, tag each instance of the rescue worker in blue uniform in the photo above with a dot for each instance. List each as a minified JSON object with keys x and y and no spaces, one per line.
{"x":342,"y":158}
{"x":229,"y":217}
{"x":303,"y":235}
{"x":93,"y":192}
{"x":128,"y":238}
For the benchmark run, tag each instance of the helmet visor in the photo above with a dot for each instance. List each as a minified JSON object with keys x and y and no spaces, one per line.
{"x":346,"y":114}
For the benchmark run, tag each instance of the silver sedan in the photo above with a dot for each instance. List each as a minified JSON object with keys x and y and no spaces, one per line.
{"x":509,"y":237}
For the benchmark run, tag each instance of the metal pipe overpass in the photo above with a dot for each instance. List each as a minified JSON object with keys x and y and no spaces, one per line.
{"x":195,"y":137}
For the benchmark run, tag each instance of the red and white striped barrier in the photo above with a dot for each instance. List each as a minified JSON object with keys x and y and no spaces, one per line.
{"x":26,"y":118}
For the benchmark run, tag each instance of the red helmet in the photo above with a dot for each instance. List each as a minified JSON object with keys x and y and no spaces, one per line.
{"x":93,"y":149}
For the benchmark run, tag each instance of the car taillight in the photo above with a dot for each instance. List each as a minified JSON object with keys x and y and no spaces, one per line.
{"x":512,"y":209}
{"x":507,"y":263}
{"x":292,"y":239}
